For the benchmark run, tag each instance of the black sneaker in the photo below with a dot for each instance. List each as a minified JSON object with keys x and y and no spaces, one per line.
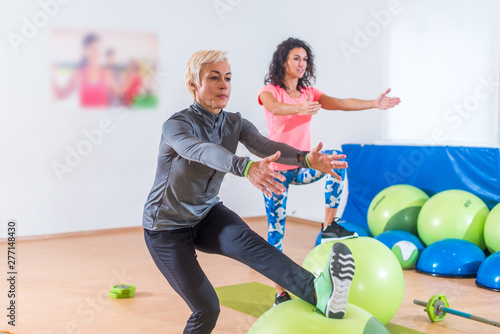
{"x":336,"y":232}
{"x":284,"y":297}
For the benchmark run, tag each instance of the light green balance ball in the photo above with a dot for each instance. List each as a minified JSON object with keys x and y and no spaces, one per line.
{"x":300,"y":317}
{"x":406,"y":253}
{"x":453,"y":214}
{"x":396,"y":208}
{"x":378,"y":282}
{"x":492,"y":230}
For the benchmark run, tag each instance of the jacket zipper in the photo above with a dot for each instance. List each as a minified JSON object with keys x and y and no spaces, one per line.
{"x":210,"y":180}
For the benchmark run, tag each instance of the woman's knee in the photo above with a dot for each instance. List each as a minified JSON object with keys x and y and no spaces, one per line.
{"x":212,"y":312}
{"x":203,"y":320}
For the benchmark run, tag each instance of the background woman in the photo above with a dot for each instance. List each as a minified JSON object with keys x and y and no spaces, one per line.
{"x":289,"y":102}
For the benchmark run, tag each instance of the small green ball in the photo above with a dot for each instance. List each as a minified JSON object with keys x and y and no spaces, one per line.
{"x":406,"y":253}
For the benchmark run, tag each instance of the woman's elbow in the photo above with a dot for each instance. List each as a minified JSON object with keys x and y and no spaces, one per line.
{"x":271,"y":108}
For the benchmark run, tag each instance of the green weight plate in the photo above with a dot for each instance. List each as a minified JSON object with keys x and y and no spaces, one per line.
{"x":119,"y":296}
{"x":435,"y":306}
{"x":122,"y":291}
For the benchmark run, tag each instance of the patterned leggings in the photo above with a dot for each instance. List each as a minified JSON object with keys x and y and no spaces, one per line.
{"x":276,"y":204}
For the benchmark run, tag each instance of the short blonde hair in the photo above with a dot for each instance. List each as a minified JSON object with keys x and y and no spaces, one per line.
{"x":196,"y":62}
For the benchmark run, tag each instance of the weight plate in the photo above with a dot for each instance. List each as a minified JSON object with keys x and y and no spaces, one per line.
{"x":435,"y":307}
{"x":122,"y":291}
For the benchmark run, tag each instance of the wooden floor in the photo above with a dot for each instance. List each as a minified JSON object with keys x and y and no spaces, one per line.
{"x":63,"y":285}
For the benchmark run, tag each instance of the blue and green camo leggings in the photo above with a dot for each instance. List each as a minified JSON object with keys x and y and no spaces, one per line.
{"x":276,"y":204}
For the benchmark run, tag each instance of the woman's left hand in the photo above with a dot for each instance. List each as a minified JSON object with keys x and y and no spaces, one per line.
{"x":385,"y":102}
{"x":326,"y":162}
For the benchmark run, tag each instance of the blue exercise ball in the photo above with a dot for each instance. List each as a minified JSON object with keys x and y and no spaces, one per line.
{"x":451,"y":258}
{"x":390,"y":238}
{"x":353,"y":227}
{"x":488,"y":275}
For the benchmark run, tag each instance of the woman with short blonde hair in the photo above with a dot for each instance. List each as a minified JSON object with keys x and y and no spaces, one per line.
{"x":183,"y":214}
{"x":196,"y":62}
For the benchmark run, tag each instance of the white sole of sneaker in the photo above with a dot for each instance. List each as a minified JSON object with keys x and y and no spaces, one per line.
{"x":338,"y":239}
{"x":341,"y":273}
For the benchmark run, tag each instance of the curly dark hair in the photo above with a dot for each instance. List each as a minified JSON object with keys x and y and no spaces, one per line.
{"x":276,"y":73}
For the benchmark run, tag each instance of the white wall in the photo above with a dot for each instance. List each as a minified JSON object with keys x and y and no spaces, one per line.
{"x":109,"y":187}
{"x":444,"y":59}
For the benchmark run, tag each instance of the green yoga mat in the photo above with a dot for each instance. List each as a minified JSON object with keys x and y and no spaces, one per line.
{"x":255,"y":299}
{"x":250,"y":298}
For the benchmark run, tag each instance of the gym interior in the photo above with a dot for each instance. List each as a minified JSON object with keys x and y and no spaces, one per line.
{"x":422,"y":186}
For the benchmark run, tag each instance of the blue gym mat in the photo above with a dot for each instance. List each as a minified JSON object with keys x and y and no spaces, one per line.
{"x":430,"y":168}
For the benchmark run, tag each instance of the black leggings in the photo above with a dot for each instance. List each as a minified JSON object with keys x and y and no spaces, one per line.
{"x":221,"y":232}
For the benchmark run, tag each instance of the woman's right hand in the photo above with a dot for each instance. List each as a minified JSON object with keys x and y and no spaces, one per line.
{"x":308,"y":107}
{"x":261,"y":175}
{"x":325,"y":163}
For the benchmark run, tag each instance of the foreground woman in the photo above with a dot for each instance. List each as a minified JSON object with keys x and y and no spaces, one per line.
{"x":183,"y":213}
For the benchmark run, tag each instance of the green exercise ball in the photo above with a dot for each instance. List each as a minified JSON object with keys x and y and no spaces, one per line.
{"x":492,"y":230}
{"x":378,"y":282}
{"x":453,"y":214}
{"x":300,"y":317}
{"x":407,"y":253}
{"x":396,"y":208}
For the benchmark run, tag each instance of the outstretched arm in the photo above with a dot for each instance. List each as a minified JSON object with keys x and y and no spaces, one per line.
{"x":382,"y":102}
{"x":261,"y":175}
{"x":264,"y":147}
{"x":308,"y":107}
{"x":179,"y":134}
{"x":324,"y":162}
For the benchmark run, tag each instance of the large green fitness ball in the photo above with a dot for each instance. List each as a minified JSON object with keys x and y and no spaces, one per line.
{"x":492,"y":230}
{"x":396,"y":208}
{"x":300,"y":317}
{"x":453,"y":214}
{"x":378,"y":283}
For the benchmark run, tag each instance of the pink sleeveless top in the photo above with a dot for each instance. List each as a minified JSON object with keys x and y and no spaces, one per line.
{"x":294,"y":130}
{"x":93,"y":93}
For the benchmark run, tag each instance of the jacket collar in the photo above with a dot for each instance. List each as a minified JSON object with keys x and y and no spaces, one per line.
{"x":206,"y":116}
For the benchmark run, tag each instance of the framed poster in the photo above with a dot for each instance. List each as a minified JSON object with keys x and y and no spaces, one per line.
{"x":104,"y":69}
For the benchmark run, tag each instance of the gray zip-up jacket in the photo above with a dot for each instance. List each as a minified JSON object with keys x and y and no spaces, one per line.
{"x":196,"y":150}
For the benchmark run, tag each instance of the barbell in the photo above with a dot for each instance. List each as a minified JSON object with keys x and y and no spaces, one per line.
{"x":437,"y":307}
